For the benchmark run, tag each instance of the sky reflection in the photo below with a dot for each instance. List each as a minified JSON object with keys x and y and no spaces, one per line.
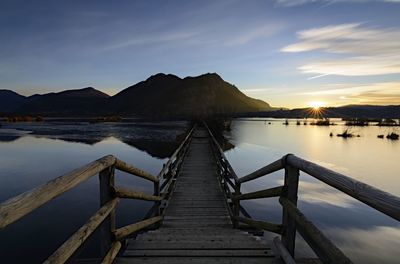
{"x":360,"y":231}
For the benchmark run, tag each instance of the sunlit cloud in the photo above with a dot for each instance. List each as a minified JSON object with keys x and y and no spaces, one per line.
{"x":372,"y":93}
{"x":362,"y":50}
{"x":318,"y":76}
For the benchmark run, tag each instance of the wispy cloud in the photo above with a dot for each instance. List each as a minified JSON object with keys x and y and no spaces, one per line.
{"x":362,"y":50}
{"x":372,"y":93}
{"x":198,"y":36}
{"x":152,"y":39}
{"x":290,"y":3}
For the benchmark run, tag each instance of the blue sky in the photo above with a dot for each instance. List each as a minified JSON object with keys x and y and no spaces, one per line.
{"x":289,"y":53}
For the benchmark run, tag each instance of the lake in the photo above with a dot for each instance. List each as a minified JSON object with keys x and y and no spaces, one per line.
{"x":33,"y":153}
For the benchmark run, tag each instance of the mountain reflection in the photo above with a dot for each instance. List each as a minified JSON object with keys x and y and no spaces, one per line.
{"x":158,"y":139}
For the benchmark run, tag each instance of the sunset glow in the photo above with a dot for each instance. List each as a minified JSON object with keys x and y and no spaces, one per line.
{"x":276,"y":54}
{"x":317,"y":104}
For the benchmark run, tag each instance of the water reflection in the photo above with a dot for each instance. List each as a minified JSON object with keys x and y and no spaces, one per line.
{"x":365,"y":235}
{"x":157,"y":139}
{"x":32,"y":154}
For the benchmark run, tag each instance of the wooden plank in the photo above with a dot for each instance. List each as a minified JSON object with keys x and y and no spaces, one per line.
{"x":21,"y":205}
{"x":196,"y":260}
{"x":199,"y":253}
{"x":64,"y":252}
{"x":127,"y":193}
{"x":227,"y":244}
{"x":123,"y":166}
{"x":197,"y":223}
{"x":380,"y":200}
{"x":199,"y":237}
{"x":321,"y":245}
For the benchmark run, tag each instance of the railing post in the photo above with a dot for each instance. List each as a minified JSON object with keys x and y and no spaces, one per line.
{"x":236,"y":205}
{"x":157,"y":193}
{"x":291,"y":184}
{"x":106,"y":179}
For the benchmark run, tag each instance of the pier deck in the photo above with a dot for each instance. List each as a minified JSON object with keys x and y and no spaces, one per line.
{"x":197,"y":227}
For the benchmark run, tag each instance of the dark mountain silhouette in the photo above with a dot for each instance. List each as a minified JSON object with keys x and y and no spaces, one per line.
{"x":70,"y":102}
{"x":10,"y":100}
{"x":160,"y":96}
{"x":168,"y":95}
{"x":348,"y":111}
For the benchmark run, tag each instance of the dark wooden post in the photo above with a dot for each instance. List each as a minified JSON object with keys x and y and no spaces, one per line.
{"x":157,"y":193}
{"x":291,"y":185}
{"x":106,"y":178}
{"x":236,"y":205}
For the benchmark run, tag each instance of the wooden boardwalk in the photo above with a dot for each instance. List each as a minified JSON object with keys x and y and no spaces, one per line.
{"x":197,"y":210}
{"x":197,"y":227}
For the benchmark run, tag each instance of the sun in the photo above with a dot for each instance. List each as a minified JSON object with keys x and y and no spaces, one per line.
{"x":316,"y":105}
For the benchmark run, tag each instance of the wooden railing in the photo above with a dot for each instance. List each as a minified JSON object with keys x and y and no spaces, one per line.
{"x":293,"y":219}
{"x":112,"y":237}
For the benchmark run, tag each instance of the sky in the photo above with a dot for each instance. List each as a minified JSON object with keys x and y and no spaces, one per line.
{"x":290,"y":53}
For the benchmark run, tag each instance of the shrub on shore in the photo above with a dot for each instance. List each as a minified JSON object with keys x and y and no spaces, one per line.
{"x":14,"y":119}
{"x":106,"y":119}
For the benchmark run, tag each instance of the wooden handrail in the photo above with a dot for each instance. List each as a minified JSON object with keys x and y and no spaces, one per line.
{"x":282,"y":251}
{"x":64,"y":252}
{"x":270,"y":168}
{"x":112,"y":253}
{"x":271,"y":192}
{"x":380,"y":200}
{"x":21,"y":205}
{"x":165,"y":169}
{"x":321,"y":245}
{"x":131,"y":194}
{"x":292,"y":218}
{"x":122,"y":166}
{"x":276,"y":228}
{"x":125,"y":231}
{"x":221,"y":152}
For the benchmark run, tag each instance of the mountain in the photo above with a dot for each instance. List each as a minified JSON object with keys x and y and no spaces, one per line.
{"x":348,"y":111}
{"x":10,"y":100}
{"x":76,"y":102}
{"x":164,"y":95}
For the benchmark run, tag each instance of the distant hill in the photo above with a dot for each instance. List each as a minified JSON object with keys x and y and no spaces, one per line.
{"x":160,"y":96}
{"x":70,"y":102}
{"x":10,"y":101}
{"x":168,"y":95}
{"x":348,"y":111}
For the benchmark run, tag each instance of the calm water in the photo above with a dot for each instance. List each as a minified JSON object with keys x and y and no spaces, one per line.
{"x":365,"y":235}
{"x":31,"y":154}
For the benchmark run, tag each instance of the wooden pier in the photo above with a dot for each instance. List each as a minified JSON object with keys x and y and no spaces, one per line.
{"x":197,"y":227}
{"x":197,"y":216}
